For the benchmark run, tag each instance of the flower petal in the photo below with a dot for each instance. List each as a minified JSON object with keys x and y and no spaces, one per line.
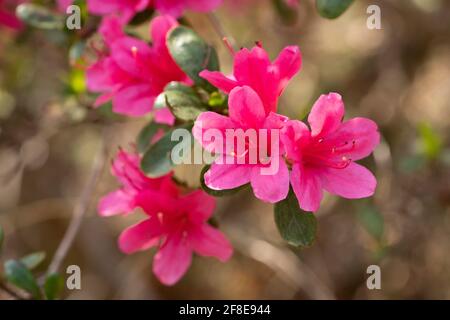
{"x":173,"y":259}
{"x":116,"y":202}
{"x":140,"y":236}
{"x":289,"y":62}
{"x":227,"y":176}
{"x":307,"y":187}
{"x":214,"y":123}
{"x":134,"y":100}
{"x":353,"y":182}
{"x":219,"y":80}
{"x":210,"y":242}
{"x":355,"y":138}
{"x":293,"y":135}
{"x":326,"y":114}
{"x":246,"y":107}
{"x":271,"y":188}
{"x":199,"y":205}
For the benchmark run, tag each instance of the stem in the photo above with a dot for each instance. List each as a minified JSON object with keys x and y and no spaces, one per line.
{"x":229,"y":41}
{"x":80,"y":208}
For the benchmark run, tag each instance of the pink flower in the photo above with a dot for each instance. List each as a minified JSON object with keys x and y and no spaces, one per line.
{"x":134,"y":183}
{"x":177,"y":7}
{"x":126,"y":9}
{"x":253,"y":68}
{"x":63,"y":4}
{"x":178,"y":227}
{"x":133,"y":74}
{"x":7,"y":15}
{"x":323,"y":158}
{"x":246,"y":112}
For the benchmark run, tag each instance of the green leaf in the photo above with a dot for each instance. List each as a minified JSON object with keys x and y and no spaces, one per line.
{"x":53,"y":286}
{"x":192,"y":55}
{"x":142,"y":17}
{"x":218,"y":193}
{"x":331,"y":9}
{"x":33,"y":260}
{"x":160,"y":101}
{"x":18,"y":274}
{"x":217,"y":100}
{"x":157,"y":161}
{"x":183,"y":106}
{"x":146,"y":135}
{"x":295,"y":226}
{"x":372,"y":221}
{"x":39,"y":17}
{"x":288,"y":14}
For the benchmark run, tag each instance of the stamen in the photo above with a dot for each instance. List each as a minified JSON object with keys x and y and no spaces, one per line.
{"x":259,"y":43}
{"x":228,"y":45}
{"x":134,"y":51}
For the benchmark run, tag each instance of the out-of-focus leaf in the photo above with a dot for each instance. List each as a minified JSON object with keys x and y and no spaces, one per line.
{"x":372,"y":221}
{"x":53,"y":286}
{"x":39,"y":17}
{"x":142,"y":17}
{"x":288,"y":14}
{"x":192,"y":55}
{"x":430,"y":141}
{"x":76,"y":52}
{"x":18,"y":274}
{"x":295,"y":226}
{"x":77,"y":81}
{"x":157,"y":161}
{"x":218,"y":193}
{"x":331,"y":9}
{"x":217,"y":100}
{"x":33,"y":260}
{"x":147,"y":134}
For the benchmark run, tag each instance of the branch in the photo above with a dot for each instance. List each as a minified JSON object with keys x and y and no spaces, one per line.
{"x":80,"y":208}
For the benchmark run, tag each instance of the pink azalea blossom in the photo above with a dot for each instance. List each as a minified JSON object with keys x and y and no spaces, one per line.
{"x":178,"y":227}
{"x":133,"y":183}
{"x":63,"y":4}
{"x":125,"y":9}
{"x":246,"y":111}
{"x":323,"y":158}
{"x":7,"y":15}
{"x":133,"y":74}
{"x":253,"y":68}
{"x":177,"y":7}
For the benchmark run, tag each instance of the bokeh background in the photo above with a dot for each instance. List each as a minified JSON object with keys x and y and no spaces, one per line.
{"x":398,"y":76}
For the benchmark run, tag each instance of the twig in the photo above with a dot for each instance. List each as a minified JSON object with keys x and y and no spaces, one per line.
{"x":220,"y":30}
{"x":10,"y":292}
{"x":80,"y":208}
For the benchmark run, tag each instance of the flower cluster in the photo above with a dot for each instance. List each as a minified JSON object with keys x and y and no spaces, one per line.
{"x":176,"y":223}
{"x":135,"y":75}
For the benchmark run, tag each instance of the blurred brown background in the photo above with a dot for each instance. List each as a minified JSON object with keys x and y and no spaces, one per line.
{"x":398,"y":76}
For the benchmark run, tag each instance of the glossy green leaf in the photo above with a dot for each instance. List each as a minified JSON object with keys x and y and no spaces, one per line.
{"x":157,"y":161}
{"x":33,"y":260}
{"x":54,"y":284}
{"x":295,"y":226}
{"x":39,"y":17}
{"x":18,"y":274}
{"x":192,"y":54}
{"x":160,"y":101}
{"x":146,"y":135}
{"x":183,"y":106}
{"x":218,"y":193}
{"x":331,"y":9}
